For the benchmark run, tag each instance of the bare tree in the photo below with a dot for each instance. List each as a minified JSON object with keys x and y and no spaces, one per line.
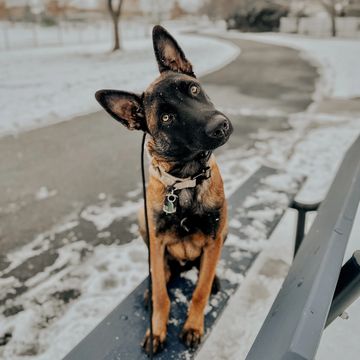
{"x":330,"y":7}
{"x":115,"y":12}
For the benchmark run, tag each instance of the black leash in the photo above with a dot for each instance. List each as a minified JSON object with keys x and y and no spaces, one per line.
{"x":148,"y":242}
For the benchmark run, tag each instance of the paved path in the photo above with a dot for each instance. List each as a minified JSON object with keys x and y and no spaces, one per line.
{"x":92,"y":154}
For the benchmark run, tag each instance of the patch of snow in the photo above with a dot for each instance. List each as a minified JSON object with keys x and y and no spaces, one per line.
{"x":180,"y":297}
{"x":264,"y":215}
{"x":281,"y":182}
{"x":235,"y":223}
{"x":40,"y":244}
{"x":102,"y":216}
{"x":102,"y":196}
{"x":47,"y":323}
{"x":191,"y":275}
{"x":244,"y":111}
{"x":134,"y":193}
{"x":44,"y":193}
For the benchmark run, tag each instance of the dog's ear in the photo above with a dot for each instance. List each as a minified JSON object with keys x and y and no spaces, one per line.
{"x":168,"y":53}
{"x":125,"y":107}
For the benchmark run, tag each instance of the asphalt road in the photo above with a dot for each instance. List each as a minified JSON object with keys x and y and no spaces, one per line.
{"x":92,"y":154}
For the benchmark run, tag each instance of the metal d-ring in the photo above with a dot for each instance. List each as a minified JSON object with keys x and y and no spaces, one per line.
{"x":182,"y":224}
{"x":172,"y":198}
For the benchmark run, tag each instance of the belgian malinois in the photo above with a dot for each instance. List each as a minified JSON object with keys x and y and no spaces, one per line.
{"x":186,"y":203}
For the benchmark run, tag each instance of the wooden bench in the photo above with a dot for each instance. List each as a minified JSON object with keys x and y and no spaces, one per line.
{"x":315,"y":291}
{"x":267,"y":193}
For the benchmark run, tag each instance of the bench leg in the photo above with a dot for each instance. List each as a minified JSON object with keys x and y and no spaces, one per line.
{"x":302,"y":210}
{"x":300,"y":230}
{"x":347,"y":288}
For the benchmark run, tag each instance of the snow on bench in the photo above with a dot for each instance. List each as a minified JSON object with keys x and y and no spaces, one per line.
{"x":255,"y":208}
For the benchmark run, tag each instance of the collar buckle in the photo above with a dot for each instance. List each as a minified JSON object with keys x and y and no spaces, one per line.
{"x":176,"y":183}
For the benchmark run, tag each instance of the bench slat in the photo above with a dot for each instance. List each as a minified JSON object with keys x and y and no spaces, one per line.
{"x":293,"y":327}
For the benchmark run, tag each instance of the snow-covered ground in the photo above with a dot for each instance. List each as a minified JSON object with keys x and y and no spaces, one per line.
{"x":49,"y":84}
{"x":47,"y":327}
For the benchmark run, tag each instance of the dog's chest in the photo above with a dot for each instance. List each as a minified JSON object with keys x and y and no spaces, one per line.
{"x":191,"y":217}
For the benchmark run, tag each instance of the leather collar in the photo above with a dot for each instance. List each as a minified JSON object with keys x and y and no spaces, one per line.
{"x":176,"y":183}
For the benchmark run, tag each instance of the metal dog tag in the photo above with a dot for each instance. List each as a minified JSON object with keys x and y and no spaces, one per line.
{"x":170,"y":207}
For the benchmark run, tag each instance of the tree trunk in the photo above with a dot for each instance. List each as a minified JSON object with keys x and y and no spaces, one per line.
{"x":115,"y":16}
{"x":116,"y":35}
{"x":329,"y":6}
{"x":333,"y":24}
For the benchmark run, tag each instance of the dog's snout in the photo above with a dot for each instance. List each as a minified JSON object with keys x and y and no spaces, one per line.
{"x":218,"y":127}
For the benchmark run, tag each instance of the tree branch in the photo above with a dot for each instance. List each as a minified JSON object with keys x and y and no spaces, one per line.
{"x":330,"y":8}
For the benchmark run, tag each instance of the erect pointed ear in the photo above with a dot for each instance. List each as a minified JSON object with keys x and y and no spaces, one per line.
{"x":168,"y":53}
{"x":124,"y":107}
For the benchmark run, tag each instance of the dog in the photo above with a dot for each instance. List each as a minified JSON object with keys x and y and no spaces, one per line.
{"x":187,"y":210}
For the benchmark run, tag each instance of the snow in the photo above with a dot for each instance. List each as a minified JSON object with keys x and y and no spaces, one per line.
{"x":47,"y":327}
{"x":50,"y":84}
{"x":44,"y":193}
{"x":102,"y":216}
{"x":98,"y":277}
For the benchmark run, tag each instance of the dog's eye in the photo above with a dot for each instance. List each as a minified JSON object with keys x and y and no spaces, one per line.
{"x":194,"y":90}
{"x":167,"y":117}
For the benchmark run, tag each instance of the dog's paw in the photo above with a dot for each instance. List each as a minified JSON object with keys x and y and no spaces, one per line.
{"x":158,"y":343}
{"x":191,"y":337}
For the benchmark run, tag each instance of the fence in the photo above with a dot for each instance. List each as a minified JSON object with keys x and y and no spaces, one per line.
{"x":15,"y":35}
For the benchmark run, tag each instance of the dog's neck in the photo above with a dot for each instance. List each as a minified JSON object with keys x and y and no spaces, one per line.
{"x":178,"y":168}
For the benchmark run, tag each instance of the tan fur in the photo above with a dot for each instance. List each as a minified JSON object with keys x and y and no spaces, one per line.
{"x":189,"y":248}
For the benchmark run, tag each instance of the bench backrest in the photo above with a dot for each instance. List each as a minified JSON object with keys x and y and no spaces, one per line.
{"x":294,"y":325}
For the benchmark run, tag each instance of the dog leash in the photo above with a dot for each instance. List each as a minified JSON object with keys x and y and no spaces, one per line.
{"x":151,"y":355}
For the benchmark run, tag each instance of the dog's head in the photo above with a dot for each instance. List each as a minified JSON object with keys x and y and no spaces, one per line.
{"x":174,"y":109}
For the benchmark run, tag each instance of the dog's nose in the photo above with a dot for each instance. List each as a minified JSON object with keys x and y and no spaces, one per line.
{"x":218,"y":127}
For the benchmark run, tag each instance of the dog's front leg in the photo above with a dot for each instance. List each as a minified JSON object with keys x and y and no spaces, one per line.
{"x":194,"y":326}
{"x":160,"y":297}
